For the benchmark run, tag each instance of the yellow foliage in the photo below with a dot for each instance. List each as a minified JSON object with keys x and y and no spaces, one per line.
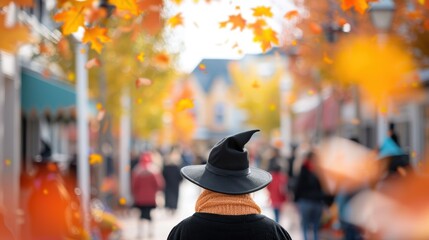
{"x":259,"y":96}
{"x":73,"y":18}
{"x":379,"y":69}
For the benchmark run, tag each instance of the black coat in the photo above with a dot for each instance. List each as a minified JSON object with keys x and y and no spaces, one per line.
{"x":214,"y":227}
{"x":308,"y":186}
{"x":172,"y":177}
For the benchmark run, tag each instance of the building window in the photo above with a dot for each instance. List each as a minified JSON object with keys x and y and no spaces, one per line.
{"x":219,"y":113}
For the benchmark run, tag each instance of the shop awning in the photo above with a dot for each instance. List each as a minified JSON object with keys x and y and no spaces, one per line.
{"x":41,"y":94}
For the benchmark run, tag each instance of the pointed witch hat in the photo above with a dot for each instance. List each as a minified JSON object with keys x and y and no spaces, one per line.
{"x":227,"y":170}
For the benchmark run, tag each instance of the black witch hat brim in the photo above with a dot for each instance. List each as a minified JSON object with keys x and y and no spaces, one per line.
{"x":252,"y":181}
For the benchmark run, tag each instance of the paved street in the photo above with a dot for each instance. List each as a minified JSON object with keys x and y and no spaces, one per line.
{"x":164,"y":222}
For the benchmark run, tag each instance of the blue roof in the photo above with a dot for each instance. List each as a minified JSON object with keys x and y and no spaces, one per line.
{"x":214,"y":68}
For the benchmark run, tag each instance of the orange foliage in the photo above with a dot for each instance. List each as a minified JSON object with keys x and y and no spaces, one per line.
{"x":72,"y":18}
{"x":237,"y":21}
{"x":291,"y":14}
{"x":176,"y":20}
{"x":96,"y":36}
{"x":363,"y":61}
{"x":359,"y":5}
{"x":267,"y":37}
{"x":262,"y":11}
{"x":16,"y":35}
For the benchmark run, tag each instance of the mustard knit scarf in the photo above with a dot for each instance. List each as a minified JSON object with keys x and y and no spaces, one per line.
{"x":223,"y":204}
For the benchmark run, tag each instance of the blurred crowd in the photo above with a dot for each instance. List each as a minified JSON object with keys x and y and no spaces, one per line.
{"x":330,"y":184}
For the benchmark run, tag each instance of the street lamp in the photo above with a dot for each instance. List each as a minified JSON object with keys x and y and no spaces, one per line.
{"x":382,"y":17}
{"x":382,"y":14}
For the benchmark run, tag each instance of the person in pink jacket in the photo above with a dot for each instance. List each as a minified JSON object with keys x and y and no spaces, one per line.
{"x":145,"y":183}
{"x":277,"y":189}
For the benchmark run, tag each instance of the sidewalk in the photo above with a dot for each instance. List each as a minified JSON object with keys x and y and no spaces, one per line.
{"x":163,"y":222}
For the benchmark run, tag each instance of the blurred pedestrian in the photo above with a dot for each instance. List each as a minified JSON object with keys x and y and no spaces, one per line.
{"x":144,"y":185}
{"x":309,"y":197}
{"x":225,"y":210}
{"x":172,"y":177}
{"x":277,"y":190}
{"x":52,"y":212}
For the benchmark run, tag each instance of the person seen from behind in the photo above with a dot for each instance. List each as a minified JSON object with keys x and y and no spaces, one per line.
{"x":309,"y":197}
{"x":225,"y":209}
{"x":277,"y":190}
{"x":144,"y":186}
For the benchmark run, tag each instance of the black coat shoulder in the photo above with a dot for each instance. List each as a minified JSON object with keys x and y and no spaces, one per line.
{"x":213,"y":227}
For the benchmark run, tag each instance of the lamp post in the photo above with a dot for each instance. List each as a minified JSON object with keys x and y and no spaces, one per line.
{"x":381,"y":13}
{"x":83,"y":173}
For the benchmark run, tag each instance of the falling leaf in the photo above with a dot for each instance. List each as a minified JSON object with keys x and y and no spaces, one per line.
{"x":96,"y":36}
{"x":140,"y":57}
{"x":152,"y":22}
{"x":99,"y":106}
{"x":262,"y":11}
{"x":266,"y":38}
{"x":359,"y":5}
{"x":327,"y":59}
{"x":184,"y":104}
{"x":202,"y":67}
{"x":71,"y":76}
{"x":129,"y":6}
{"x":162,"y":59}
{"x":223,"y":24}
{"x":315,"y":28}
{"x":72,"y":19}
{"x":93,"y":14}
{"x":95,"y":159}
{"x":291,"y":14}
{"x":122,"y":201}
{"x":237,"y":21}
{"x":143,"y":82}
{"x":16,"y":36}
{"x":64,"y":48}
{"x":257,"y":26}
{"x":95,"y":62}
{"x":237,"y":8}
{"x":176,"y":20}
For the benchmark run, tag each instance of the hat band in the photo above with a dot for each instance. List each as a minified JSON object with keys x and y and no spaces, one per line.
{"x":224,"y":172}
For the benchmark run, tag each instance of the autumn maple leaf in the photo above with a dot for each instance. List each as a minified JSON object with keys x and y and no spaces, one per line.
{"x":96,"y":36}
{"x":129,"y":6}
{"x":176,"y":20}
{"x":359,"y":5}
{"x":161,"y":59}
{"x":291,"y":14}
{"x":72,"y":18}
{"x":262,"y":11}
{"x":267,"y":37}
{"x":12,"y":36}
{"x":184,"y":104}
{"x":237,"y":21}
{"x":257,"y":26}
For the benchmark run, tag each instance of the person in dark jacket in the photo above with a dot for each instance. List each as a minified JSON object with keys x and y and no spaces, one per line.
{"x":225,"y":209}
{"x":309,"y":197}
{"x":172,"y":177}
